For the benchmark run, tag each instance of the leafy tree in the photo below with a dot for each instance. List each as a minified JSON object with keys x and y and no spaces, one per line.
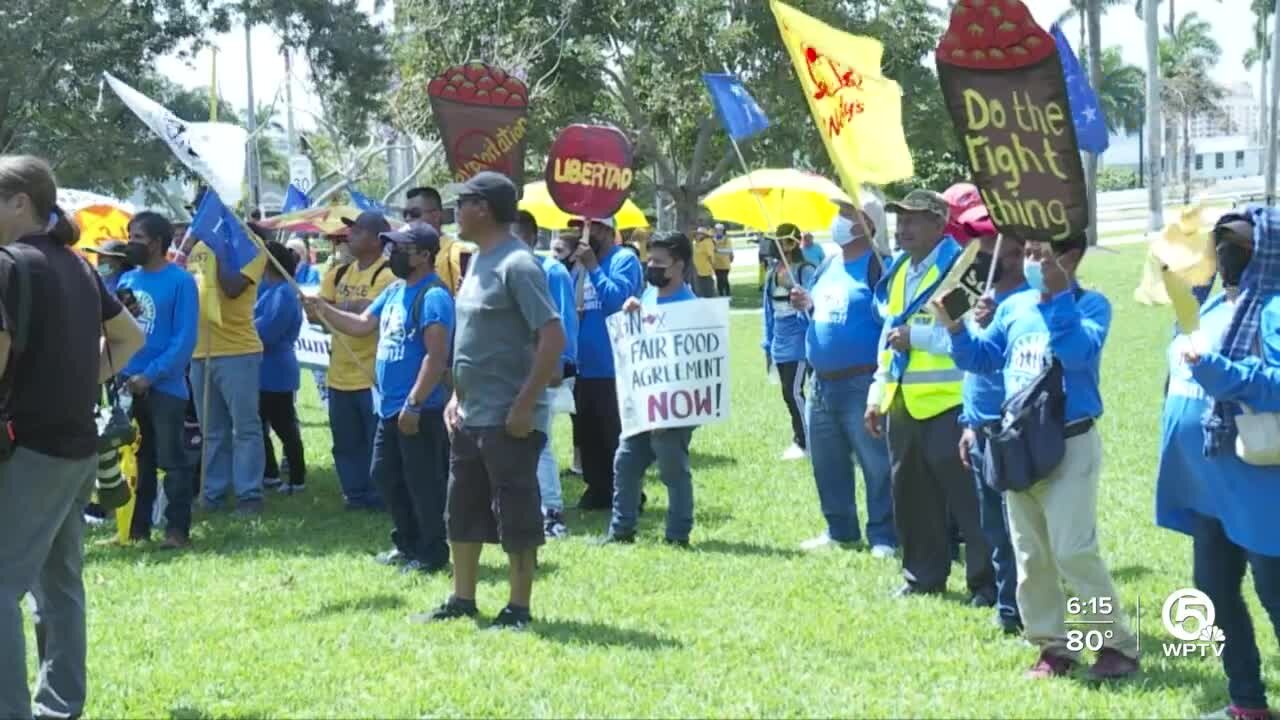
{"x":1260,"y":54}
{"x":1186,"y":57}
{"x":1122,"y":96}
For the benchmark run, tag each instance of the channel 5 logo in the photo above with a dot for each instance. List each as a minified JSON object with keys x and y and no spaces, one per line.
{"x":1188,"y":615}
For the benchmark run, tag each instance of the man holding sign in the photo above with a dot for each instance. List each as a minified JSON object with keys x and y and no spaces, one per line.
{"x":669,"y":258}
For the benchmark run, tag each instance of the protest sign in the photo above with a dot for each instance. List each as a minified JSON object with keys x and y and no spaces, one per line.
{"x":1002,"y":80}
{"x":672,"y":364}
{"x":589,"y":170}
{"x":483,"y":114}
{"x":312,"y":347}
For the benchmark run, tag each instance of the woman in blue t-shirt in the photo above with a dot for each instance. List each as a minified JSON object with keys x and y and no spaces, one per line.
{"x":785,"y":329}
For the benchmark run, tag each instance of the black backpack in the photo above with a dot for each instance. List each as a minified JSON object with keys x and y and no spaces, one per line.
{"x":17,"y":320}
{"x":342,"y":270}
{"x":1030,"y":441}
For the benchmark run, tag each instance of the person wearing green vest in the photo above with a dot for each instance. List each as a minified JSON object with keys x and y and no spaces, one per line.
{"x":916,"y":400}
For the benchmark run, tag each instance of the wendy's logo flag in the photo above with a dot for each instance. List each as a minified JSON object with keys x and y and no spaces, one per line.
{"x":213,"y":151}
{"x":739,"y":113}
{"x":1086,"y":113}
{"x":589,"y":170}
{"x":1003,"y":84}
{"x":483,"y":114}
{"x":858,"y":111}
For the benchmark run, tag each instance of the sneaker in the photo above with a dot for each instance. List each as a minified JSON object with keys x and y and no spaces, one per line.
{"x":1050,"y":665}
{"x":553,"y":525}
{"x":289,"y":489}
{"x":1235,"y":712}
{"x":175,"y":540}
{"x":1113,"y":665}
{"x":418,"y":567}
{"x":1009,"y":625}
{"x":883,"y":552}
{"x":94,"y":520}
{"x":617,"y":539}
{"x":795,"y":452}
{"x":452,"y":609}
{"x":983,"y":599}
{"x":677,"y":543}
{"x":908,"y":591}
{"x":391,"y":558}
{"x":512,"y":619}
{"x":271,"y":483}
{"x":823,"y":542}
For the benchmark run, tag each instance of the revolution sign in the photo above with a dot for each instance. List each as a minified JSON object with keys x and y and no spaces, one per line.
{"x":1002,"y":80}
{"x":483,"y":114}
{"x":589,"y":170}
{"x":672,"y":364}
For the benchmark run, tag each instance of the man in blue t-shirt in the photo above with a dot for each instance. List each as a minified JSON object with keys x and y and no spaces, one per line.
{"x":669,"y":259}
{"x":840,"y":345}
{"x":613,"y":275}
{"x":560,"y":285}
{"x":1053,"y":524}
{"x":168,"y":306}
{"x":414,"y":319}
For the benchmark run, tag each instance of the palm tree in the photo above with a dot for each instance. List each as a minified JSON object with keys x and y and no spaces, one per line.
{"x":1260,"y":53}
{"x":1122,"y":96}
{"x":1187,"y":51}
{"x":1155,"y":198}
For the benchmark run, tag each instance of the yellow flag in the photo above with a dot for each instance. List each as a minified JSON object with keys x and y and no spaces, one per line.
{"x":858,"y":111}
{"x":1185,"y":306}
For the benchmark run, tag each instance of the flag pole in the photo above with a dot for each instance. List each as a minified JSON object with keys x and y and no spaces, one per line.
{"x":995,"y":262}
{"x":764,"y":212}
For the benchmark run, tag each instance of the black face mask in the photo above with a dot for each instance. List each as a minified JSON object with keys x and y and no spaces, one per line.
{"x":1232,"y":260}
{"x":656,"y":276}
{"x":400,"y":266}
{"x":137,"y":254}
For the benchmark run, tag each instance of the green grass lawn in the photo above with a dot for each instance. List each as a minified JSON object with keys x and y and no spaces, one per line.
{"x":289,"y":615}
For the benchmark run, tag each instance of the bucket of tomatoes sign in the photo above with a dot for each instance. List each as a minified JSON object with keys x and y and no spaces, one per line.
{"x":483,"y":115}
{"x":589,"y":170}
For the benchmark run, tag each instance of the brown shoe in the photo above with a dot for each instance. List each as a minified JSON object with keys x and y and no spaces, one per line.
{"x":175,"y":540}
{"x":1050,"y":665}
{"x":1112,"y":665}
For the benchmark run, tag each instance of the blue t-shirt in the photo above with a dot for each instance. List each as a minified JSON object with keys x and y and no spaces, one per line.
{"x":845,"y":325}
{"x":605,"y":290}
{"x":401,"y":351}
{"x":170,"y":313}
{"x":815,"y":254}
{"x":785,"y":327}
{"x":983,"y":393}
{"x":307,"y":274}
{"x":1025,"y":336}
{"x":278,"y":318}
{"x":651,"y":297}
{"x":560,"y":285}
{"x":1244,"y":498}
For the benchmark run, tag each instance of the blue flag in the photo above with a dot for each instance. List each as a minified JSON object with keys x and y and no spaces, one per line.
{"x":362,"y":201}
{"x":1086,"y":113}
{"x":219,"y":228}
{"x":294,"y":200}
{"x":738,"y":111}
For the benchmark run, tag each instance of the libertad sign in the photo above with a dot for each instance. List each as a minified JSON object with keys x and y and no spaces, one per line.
{"x":589,"y":170}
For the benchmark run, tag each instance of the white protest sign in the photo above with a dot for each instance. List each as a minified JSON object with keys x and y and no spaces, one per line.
{"x":312,"y":347}
{"x":672,"y":364}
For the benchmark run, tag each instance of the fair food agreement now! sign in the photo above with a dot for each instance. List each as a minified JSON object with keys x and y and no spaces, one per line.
{"x":672,"y":364}
{"x":312,"y":347}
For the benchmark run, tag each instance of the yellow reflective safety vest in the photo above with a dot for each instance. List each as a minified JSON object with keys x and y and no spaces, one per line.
{"x":930,"y":384}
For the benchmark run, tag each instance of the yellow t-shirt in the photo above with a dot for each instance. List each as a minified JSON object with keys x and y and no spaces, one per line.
{"x":449,"y":264}
{"x":704,"y":251}
{"x":724,"y":253}
{"x":356,"y":285}
{"x":236,"y":335}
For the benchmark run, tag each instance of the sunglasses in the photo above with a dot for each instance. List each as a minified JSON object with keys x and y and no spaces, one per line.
{"x":413,"y":214}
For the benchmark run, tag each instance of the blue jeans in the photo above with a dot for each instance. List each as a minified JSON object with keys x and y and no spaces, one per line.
{"x":409,"y":471}
{"x":353,"y":423}
{"x":160,"y":420}
{"x":991,"y":514}
{"x":1219,"y":571}
{"x":670,"y":448}
{"x":233,"y":430}
{"x":837,"y":435}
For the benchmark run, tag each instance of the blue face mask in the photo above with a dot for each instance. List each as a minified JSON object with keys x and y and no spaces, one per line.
{"x":1034,"y":273}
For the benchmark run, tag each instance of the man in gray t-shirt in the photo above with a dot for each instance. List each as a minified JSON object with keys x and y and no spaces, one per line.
{"x":507,"y":346}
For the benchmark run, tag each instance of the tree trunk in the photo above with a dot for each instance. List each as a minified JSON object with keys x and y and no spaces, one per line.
{"x":1186,"y":159}
{"x":1270,"y":180}
{"x":1142,"y":152}
{"x":1262,"y":94}
{"x":1093,"y":13}
{"x":1155,"y":200}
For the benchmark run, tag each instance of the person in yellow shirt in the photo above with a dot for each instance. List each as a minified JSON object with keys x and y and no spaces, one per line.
{"x":424,"y":204}
{"x":704,"y":253}
{"x":723,"y":260}
{"x":225,"y":377}
{"x":352,"y":287}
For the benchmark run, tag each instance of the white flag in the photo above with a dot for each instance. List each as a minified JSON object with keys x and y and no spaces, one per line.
{"x":214,"y":151}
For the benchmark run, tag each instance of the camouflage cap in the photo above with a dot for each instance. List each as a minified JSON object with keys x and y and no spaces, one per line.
{"x":922,"y":201}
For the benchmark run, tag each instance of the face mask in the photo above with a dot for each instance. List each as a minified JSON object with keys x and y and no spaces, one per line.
{"x":105,"y":270}
{"x":842,"y":230}
{"x":137,"y":253}
{"x":400,"y":266}
{"x":656,"y":276}
{"x":1232,"y":261}
{"x":1034,"y":274}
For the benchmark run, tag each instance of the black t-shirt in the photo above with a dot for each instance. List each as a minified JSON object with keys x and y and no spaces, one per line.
{"x":55,"y":382}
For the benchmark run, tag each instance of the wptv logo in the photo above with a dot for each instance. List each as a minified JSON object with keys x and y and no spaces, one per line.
{"x":1188,"y":616}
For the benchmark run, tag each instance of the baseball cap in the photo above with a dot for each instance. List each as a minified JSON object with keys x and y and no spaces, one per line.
{"x":495,"y":189}
{"x":419,"y":234}
{"x":607,"y":222}
{"x":110,"y":248}
{"x":926,"y":201}
{"x":968,"y":218}
{"x":370,"y":220}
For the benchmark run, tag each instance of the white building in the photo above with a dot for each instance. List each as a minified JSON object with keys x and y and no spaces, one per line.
{"x":1224,"y":158}
{"x":1238,"y":114}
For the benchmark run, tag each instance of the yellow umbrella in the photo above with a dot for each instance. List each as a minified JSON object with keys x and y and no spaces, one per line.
{"x":100,"y":218}
{"x":765,"y":199}
{"x":538,"y":201}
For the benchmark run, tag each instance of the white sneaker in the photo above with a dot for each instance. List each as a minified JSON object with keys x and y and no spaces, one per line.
{"x":822,"y":542}
{"x":883,"y":552}
{"x":795,"y":452}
